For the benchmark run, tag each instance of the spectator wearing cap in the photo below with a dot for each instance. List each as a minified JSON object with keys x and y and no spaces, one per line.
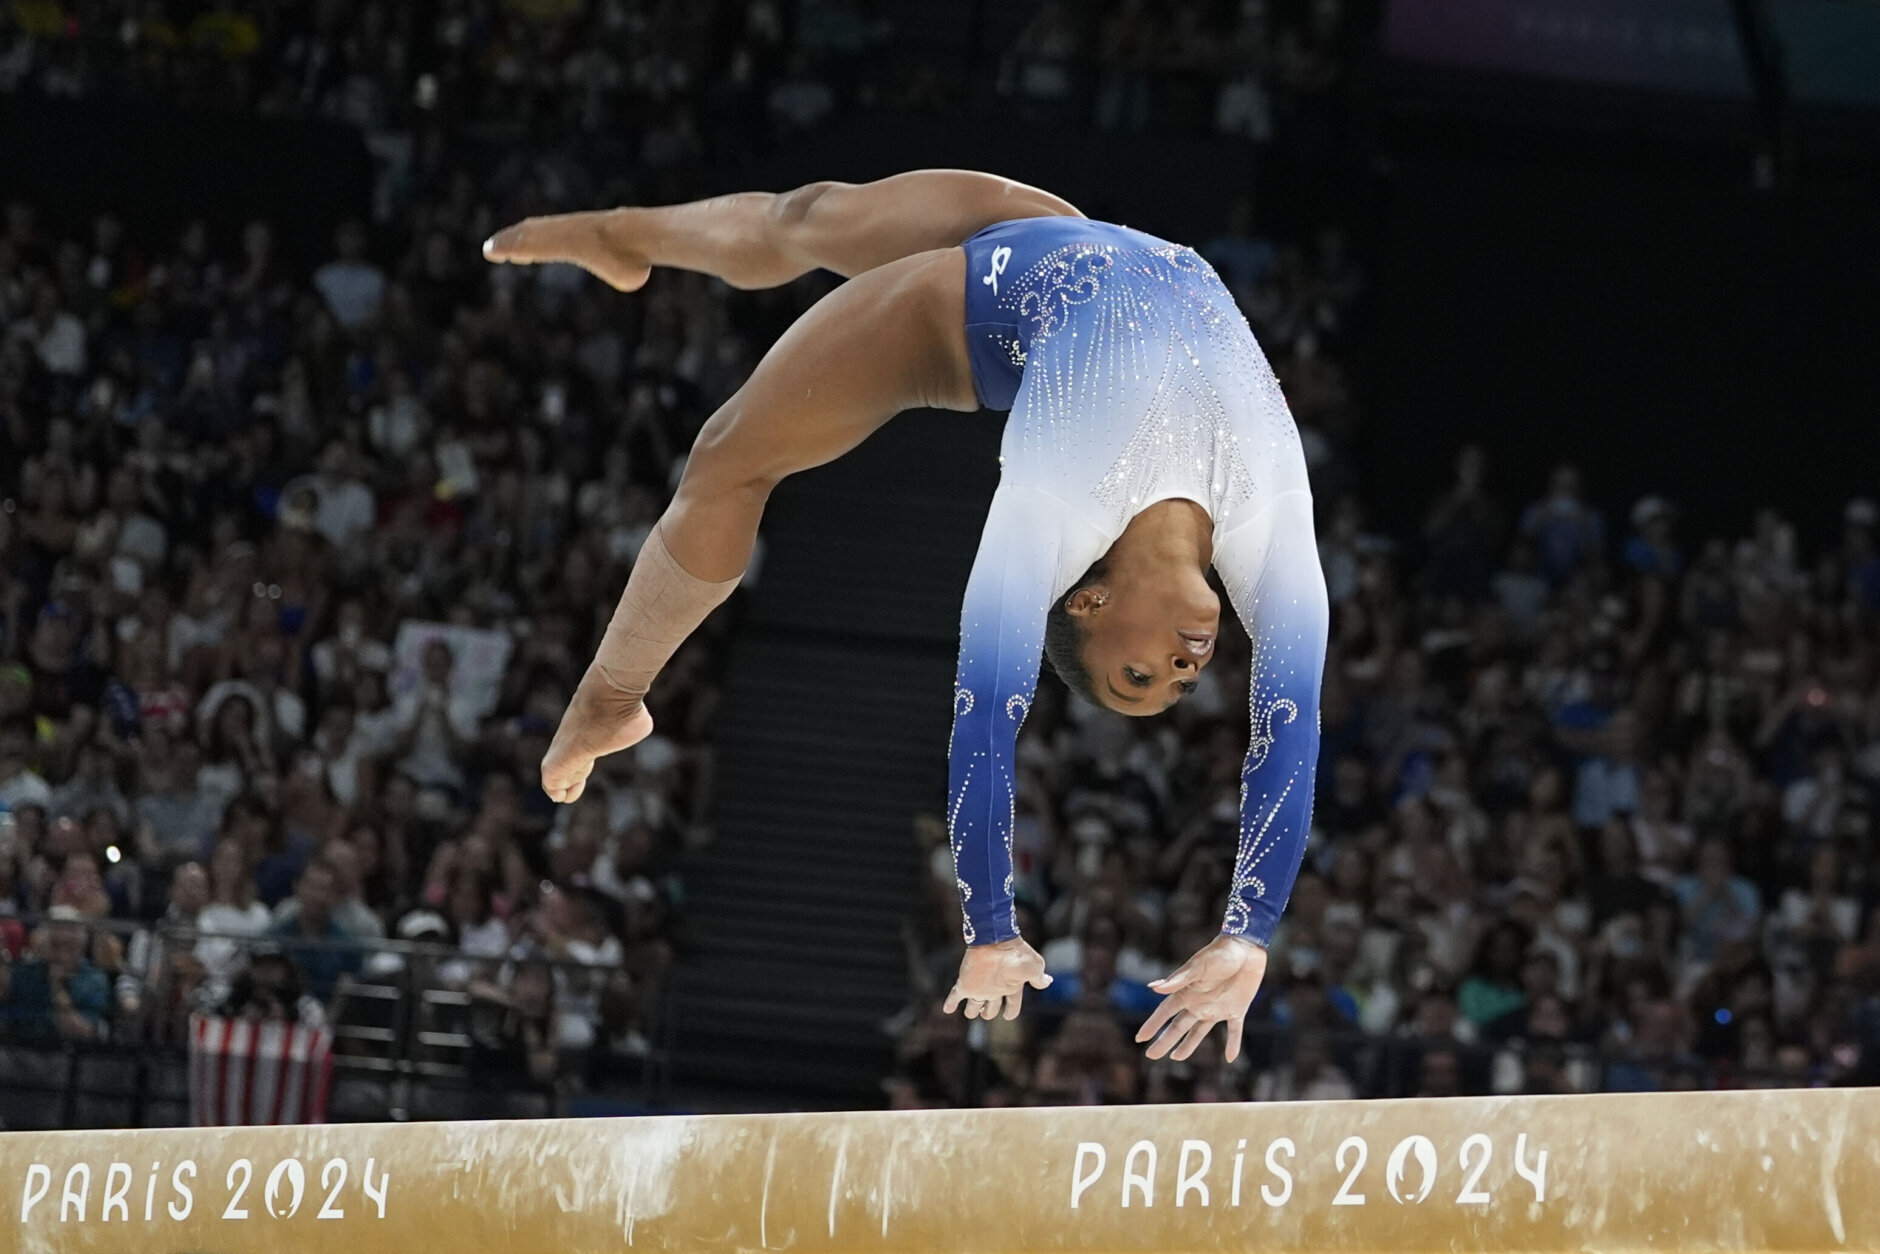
{"x":468,"y":921}
{"x":1650,"y":549}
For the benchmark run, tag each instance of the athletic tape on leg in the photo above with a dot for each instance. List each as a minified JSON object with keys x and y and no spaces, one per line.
{"x":662,"y":605}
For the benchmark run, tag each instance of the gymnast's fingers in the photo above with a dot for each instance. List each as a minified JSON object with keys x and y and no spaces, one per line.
{"x":1191,"y":1040}
{"x":1163,"y":1013}
{"x":1235,"y":1026}
{"x":952,"y":1003}
{"x":1012,"y":1001}
{"x":1165,"y":1041}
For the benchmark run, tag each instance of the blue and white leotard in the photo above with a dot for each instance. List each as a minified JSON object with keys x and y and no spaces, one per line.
{"x":1132,"y":378}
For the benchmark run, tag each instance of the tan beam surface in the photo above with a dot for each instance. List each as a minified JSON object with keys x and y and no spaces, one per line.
{"x":1702,"y":1171}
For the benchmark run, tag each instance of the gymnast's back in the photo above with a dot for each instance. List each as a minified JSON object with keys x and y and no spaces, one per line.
{"x":1131,"y":375}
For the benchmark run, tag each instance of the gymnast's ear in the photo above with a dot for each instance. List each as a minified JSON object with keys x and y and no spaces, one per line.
{"x":1085,"y":601}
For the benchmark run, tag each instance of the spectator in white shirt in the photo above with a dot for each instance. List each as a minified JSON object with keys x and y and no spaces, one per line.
{"x":352,"y":287}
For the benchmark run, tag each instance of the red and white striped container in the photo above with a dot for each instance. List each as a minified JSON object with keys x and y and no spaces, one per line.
{"x":243,"y":1073}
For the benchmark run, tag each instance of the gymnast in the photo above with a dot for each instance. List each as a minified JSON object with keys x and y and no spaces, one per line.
{"x":1147,"y":441}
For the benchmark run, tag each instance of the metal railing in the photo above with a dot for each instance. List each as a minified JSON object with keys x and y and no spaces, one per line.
{"x":410,"y":1038}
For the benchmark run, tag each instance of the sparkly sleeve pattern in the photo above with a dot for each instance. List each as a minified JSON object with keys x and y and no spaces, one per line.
{"x":1270,"y":567}
{"x":1001,"y":644}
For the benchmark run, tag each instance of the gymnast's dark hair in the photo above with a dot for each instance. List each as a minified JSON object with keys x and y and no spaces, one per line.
{"x":1065,"y":637}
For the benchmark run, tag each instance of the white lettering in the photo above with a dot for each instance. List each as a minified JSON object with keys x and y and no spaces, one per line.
{"x":290,"y":1170}
{"x":327,"y":1181}
{"x":385,"y":1183}
{"x":1345,"y":1196}
{"x":1146,"y":1180}
{"x":182,"y":1190}
{"x":246,"y":1170}
{"x":38,"y":1174}
{"x":1425,"y":1151}
{"x":1080,"y":1181}
{"x":1000,"y":256}
{"x":1470,"y":1195}
{"x":70,"y":1200}
{"x":1537,"y":1175}
{"x":1240,"y":1155}
{"x":117,"y":1187}
{"x":1187,"y":1181}
{"x":1285,"y":1177}
{"x":150,"y":1192}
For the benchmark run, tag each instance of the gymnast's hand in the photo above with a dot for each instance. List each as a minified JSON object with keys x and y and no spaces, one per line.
{"x":599,"y":721}
{"x":1215,"y":986}
{"x":590,"y":240}
{"x":993,"y":979}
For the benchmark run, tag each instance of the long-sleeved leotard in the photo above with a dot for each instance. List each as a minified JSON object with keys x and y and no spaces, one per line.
{"x":1132,"y":378}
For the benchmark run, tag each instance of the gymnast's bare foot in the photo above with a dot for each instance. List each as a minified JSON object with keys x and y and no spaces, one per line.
{"x":599,"y":721}
{"x":591,"y":240}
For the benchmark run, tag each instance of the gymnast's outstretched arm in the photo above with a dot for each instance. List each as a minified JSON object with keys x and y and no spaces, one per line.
{"x":763,"y":239}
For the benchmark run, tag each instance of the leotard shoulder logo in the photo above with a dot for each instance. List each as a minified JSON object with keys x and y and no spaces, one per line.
{"x":1000,"y":256}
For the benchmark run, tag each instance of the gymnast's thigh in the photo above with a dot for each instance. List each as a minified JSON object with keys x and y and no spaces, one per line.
{"x":888,"y":340}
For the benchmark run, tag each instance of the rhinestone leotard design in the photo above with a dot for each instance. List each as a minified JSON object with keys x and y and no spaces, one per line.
{"x":1132,"y":378}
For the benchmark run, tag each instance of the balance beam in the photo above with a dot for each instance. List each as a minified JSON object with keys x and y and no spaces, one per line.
{"x":1791,"y":1170}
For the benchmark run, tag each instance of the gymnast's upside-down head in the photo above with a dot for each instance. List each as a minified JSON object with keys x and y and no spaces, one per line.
{"x":1134,"y":638}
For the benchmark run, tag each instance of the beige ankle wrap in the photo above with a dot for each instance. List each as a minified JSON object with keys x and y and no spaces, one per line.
{"x":662,"y":605}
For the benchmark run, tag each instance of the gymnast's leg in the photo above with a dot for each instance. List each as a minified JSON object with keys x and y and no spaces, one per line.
{"x":891,"y":339}
{"x":761,"y":239}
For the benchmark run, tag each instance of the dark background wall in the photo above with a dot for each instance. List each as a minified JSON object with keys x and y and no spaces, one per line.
{"x":1671,"y":329}
{"x":158,"y":167}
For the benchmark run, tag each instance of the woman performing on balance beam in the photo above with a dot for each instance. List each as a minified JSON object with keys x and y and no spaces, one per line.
{"x":1147,"y":441}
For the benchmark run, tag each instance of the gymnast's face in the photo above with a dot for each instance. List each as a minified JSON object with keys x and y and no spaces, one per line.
{"x":1147,"y":639}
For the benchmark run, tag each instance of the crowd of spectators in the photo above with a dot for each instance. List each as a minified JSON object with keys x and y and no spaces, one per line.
{"x":299,"y":564}
{"x":1245,"y":69}
{"x":669,"y":85}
